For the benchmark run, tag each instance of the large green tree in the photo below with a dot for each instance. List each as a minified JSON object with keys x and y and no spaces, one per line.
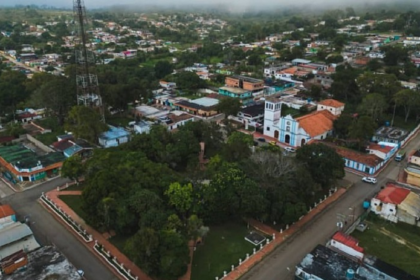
{"x":73,"y":168}
{"x":408,"y":99}
{"x":229,"y":106}
{"x":362,"y":129}
{"x":85,"y":123}
{"x":323,"y":162}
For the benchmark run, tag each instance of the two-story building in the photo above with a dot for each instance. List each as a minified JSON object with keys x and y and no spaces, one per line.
{"x":413,"y":169}
{"x":242,"y":87}
{"x":19,"y":164}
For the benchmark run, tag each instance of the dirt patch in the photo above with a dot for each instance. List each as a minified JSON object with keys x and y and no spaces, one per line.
{"x":400,"y":240}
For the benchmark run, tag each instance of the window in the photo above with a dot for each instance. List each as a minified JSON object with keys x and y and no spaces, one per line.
{"x":287,"y":128}
{"x":357,"y":166}
{"x":268,"y":128}
{"x":391,"y":210}
{"x":322,"y":137}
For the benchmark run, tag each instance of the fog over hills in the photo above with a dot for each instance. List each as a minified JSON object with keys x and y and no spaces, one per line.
{"x":232,"y":5}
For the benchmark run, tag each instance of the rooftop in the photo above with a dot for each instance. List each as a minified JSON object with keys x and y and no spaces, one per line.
{"x":14,"y":232}
{"x":327,"y":264}
{"x":205,"y":101}
{"x":46,"y":263}
{"x":234,"y":90}
{"x":331,"y":103}
{"x":392,"y":194}
{"x":380,"y":147}
{"x":22,"y":157}
{"x":246,"y":79}
{"x":6,"y":211}
{"x":391,"y":133}
{"x":253,"y":110}
{"x":114,"y":133}
{"x":317,"y":123}
{"x":347,"y":240}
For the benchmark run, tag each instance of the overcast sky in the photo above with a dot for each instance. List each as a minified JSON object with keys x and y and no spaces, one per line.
{"x":257,"y":3}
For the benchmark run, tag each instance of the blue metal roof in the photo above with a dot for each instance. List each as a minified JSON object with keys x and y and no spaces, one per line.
{"x":72,"y":150}
{"x":114,"y":133}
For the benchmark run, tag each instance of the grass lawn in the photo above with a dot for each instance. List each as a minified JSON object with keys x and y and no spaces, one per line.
{"x":222,"y":247}
{"x":396,"y":251}
{"x":76,"y":187}
{"x":75,"y":203}
{"x":119,"y":120}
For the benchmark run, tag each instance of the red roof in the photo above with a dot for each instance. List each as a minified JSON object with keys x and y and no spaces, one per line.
{"x":26,"y":115}
{"x":381,"y":148}
{"x":6,"y":211}
{"x":348,"y":241}
{"x":331,"y":103}
{"x":392,"y":194}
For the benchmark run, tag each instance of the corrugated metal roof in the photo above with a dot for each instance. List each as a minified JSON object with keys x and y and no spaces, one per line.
{"x":13,"y":233}
{"x":411,"y":204}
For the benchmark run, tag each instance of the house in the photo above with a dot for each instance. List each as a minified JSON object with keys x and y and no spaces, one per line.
{"x":299,"y":131}
{"x":413,"y":174}
{"x":22,"y":164}
{"x":16,"y":237}
{"x":415,"y":158}
{"x":324,"y":263}
{"x":346,"y":244}
{"x":204,"y":107}
{"x":175,"y":119}
{"x":26,"y":117}
{"x":361,"y":162}
{"x":298,"y":61}
{"x":7,"y":215}
{"x":333,"y":106}
{"x":69,"y":147}
{"x":382,"y":150}
{"x":397,"y":204}
{"x":277,"y":85}
{"x":142,"y":127}
{"x":253,"y":113}
{"x":167,"y":85}
{"x":390,"y":134}
{"x":114,"y":137}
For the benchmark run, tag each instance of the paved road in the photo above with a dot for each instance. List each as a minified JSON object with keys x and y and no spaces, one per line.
{"x":20,"y":64}
{"x":48,"y":231}
{"x":280,"y":265}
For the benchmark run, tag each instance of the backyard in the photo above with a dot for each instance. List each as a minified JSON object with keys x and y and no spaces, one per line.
{"x":221,"y":248}
{"x":397,"y":244}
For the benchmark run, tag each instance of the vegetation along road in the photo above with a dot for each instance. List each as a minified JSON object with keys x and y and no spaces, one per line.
{"x":281,"y":263}
{"x":49,"y":231}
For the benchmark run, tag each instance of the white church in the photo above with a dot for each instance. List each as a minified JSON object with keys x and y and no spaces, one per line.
{"x":297,"y":132}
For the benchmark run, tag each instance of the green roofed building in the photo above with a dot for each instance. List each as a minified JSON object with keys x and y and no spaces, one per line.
{"x":19,"y":164}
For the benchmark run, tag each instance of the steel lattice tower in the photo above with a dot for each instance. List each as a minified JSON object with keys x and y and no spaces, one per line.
{"x":86,"y":79}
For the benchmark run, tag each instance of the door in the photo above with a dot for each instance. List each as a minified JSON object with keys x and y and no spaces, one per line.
{"x":287,"y":139}
{"x":276,"y":134}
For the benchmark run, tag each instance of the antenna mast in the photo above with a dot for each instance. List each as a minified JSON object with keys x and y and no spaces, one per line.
{"x":86,"y":79}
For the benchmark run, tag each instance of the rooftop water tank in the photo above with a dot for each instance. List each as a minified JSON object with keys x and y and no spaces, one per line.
{"x":350,"y":274}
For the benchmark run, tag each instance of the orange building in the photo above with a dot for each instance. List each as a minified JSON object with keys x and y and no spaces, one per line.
{"x":243,"y":82}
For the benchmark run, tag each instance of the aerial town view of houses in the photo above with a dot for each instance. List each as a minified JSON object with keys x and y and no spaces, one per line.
{"x":204,"y":142}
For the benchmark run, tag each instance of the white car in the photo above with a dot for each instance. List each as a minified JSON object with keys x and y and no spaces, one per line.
{"x":289,"y":149}
{"x":369,"y":180}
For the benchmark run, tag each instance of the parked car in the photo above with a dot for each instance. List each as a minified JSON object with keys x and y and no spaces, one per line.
{"x":273,"y":143}
{"x":261,"y":139}
{"x":369,"y":180}
{"x":289,"y":149}
{"x":255,"y":143}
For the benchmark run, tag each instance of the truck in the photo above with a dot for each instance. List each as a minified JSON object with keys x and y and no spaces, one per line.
{"x":400,"y":156}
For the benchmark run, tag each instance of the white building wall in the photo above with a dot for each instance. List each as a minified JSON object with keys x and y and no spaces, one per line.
{"x":335,"y":111}
{"x":387,"y":210}
{"x":346,"y":249}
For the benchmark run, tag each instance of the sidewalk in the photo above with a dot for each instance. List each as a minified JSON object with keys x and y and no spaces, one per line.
{"x":54,"y":196}
{"x":280,"y":237}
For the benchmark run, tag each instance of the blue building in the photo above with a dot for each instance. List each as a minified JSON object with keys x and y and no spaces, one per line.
{"x":245,"y":96}
{"x":114,"y":137}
